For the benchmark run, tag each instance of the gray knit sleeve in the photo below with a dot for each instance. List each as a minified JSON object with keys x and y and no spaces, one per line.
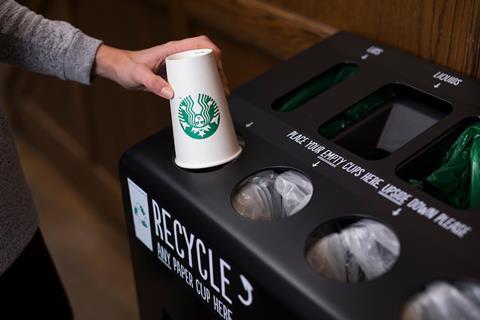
{"x":51,"y":47}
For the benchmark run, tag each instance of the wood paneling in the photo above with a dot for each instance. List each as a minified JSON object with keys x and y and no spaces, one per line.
{"x":277,"y":31}
{"x":239,"y":64}
{"x":92,"y":178}
{"x":83,"y":246}
{"x":443,"y":31}
{"x":84,"y":130}
{"x":118,"y":118}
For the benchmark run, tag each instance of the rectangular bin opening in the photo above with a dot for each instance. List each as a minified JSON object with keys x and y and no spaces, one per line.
{"x":455,"y":182}
{"x":385,"y":121}
{"x":314,"y":87}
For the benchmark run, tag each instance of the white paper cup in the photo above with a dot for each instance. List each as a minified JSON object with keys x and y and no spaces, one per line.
{"x":203,"y":131}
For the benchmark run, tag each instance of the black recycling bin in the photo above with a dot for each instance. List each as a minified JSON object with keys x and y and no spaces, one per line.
{"x":363,"y":127}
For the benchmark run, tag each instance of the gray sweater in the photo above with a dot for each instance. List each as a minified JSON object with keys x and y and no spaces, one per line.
{"x":30,"y":41}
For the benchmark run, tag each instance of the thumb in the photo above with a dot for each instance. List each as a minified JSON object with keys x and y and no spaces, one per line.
{"x":153,"y":82}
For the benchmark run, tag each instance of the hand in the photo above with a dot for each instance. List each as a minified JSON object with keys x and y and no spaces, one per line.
{"x":139,"y":70}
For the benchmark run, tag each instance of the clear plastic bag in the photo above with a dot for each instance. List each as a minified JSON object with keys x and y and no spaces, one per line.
{"x":295,"y":191}
{"x":445,"y":301}
{"x":362,"y":251}
{"x":271,"y":196}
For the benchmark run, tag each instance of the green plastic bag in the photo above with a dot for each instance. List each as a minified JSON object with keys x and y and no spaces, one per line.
{"x":314,"y":87}
{"x":457,"y":180}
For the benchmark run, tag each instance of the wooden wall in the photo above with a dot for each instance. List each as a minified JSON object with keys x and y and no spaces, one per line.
{"x":84,"y":130}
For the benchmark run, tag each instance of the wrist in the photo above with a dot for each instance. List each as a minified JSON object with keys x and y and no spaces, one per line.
{"x":107,"y":61}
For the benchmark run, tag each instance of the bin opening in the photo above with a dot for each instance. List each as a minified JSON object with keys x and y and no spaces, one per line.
{"x":352,"y":249}
{"x":450,"y":168}
{"x":445,"y":300}
{"x":385,"y":121}
{"x":314,"y":87}
{"x":272,"y":194}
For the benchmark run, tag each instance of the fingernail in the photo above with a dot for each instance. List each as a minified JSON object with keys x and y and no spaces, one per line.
{"x":166,"y":92}
{"x":220,"y":65}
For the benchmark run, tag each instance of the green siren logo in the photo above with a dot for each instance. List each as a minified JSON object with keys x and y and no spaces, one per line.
{"x":199,"y":120}
{"x":141,"y":214}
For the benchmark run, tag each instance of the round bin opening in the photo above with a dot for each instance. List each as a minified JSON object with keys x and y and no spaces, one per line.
{"x":352,"y":249}
{"x":272,"y":194}
{"x":442,"y":300}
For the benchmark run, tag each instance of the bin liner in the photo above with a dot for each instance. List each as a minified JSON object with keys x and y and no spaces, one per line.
{"x":295,"y":191}
{"x":457,"y":180}
{"x":445,"y":301}
{"x":269,"y":195}
{"x":362,"y":251}
{"x":314,"y":87}
{"x":355,"y":113}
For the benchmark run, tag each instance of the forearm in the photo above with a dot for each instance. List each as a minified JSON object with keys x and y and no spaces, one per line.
{"x":45,"y":46}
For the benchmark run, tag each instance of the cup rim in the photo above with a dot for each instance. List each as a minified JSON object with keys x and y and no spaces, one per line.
{"x":189,"y":54}
{"x":208,"y":164}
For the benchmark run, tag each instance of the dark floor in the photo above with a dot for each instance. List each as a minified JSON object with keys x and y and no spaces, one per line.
{"x":91,"y":256}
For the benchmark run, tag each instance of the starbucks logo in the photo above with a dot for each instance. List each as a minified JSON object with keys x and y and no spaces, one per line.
{"x":199,"y":120}
{"x":141,"y":214}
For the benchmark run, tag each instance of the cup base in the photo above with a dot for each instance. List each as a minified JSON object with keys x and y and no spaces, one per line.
{"x":186,"y":165}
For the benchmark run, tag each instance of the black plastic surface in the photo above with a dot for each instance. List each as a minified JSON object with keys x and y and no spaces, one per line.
{"x":272,"y":254}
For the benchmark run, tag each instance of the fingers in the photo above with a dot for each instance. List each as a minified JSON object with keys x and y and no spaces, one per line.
{"x":199,"y":42}
{"x":223,"y":77}
{"x":153,"y":83}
